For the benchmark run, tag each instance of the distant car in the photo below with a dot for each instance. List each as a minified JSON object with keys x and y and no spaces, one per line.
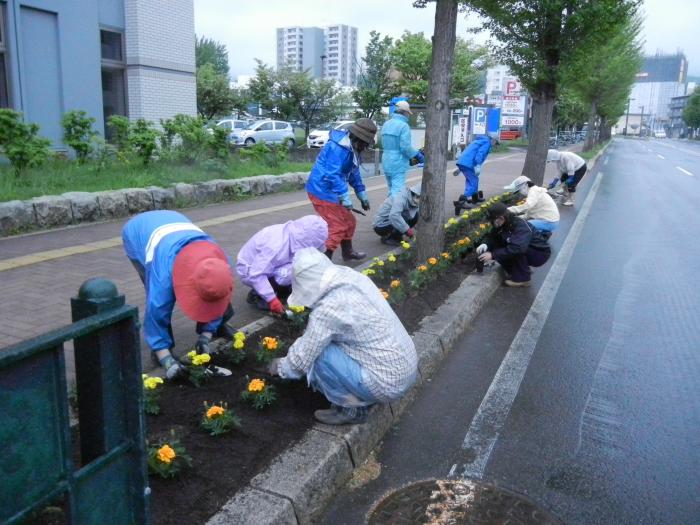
{"x":268,"y":131}
{"x":230,"y":125}
{"x":661,"y":134}
{"x":318,"y":137}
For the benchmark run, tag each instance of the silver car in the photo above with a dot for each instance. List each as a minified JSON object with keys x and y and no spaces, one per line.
{"x":268,"y":131}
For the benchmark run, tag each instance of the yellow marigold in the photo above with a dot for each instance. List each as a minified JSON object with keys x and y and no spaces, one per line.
{"x":384,"y":293}
{"x":191,"y":354}
{"x":465,"y":215}
{"x":201,"y":359}
{"x":215,"y":411}
{"x":445,"y":255}
{"x":422,"y":268}
{"x":166,"y":454}
{"x":270,"y":343}
{"x":432,"y":261}
{"x":368,"y":271}
{"x":296,"y":309}
{"x":482,"y":226}
{"x":239,"y":336}
{"x":461,"y":242}
{"x":452,"y":221}
{"x":380,"y":263}
{"x":467,"y":240}
{"x":238,"y":344}
{"x":256,"y":385}
{"x":151,"y":383}
{"x":391,"y":258}
{"x":405,"y":245}
{"x":395,"y":283}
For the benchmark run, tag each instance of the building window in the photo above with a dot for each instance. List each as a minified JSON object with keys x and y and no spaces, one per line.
{"x":4,"y":91}
{"x":113,"y":76}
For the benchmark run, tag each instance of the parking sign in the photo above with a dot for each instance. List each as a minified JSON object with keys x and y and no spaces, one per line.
{"x":479,"y":121}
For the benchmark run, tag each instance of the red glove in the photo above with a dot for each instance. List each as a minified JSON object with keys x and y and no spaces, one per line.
{"x":276,"y":306}
{"x":410,"y":232}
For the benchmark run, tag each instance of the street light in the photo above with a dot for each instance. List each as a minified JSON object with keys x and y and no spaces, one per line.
{"x":624,"y":132}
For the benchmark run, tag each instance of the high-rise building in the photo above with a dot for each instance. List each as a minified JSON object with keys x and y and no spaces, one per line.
{"x":122,"y":57}
{"x":329,"y":52}
{"x":661,"y":78}
{"x":301,"y":48}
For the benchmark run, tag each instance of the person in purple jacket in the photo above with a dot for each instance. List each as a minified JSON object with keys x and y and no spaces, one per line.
{"x":265,"y":261}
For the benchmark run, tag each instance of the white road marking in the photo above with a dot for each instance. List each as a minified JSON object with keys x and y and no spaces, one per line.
{"x":684,"y":171}
{"x":491,"y":416}
{"x":660,"y":156}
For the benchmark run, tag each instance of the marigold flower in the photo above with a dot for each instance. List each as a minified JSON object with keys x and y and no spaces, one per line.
{"x":391,"y":258}
{"x":422,"y":268}
{"x":238,"y":344}
{"x":467,"y":240}
{"x":256,"y":385}
{"x":461,"y":242}
{"x":201,"y":359}
{"x":452,"y":221}
{"x":405,"y":245}
{"x":151,"y":383}
{"x":166,"y":454}
{"x":380,"y":263}
{"x":239,"y":336}
{"x":384,"y":293}
{"x":482,"y":226}
{"x":368,"y":271}
{"x":191,"y":354}
{"x":270,"y":343}
{"x":395,"y":283}
{"x":445,"y":255}
{"x":296,"y":309}
{"x":432,"y":261}
{"x":465,"y":215}
{"x":215,"y":411}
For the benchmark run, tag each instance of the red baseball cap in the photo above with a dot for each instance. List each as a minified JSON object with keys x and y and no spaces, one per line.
{"x":203,"y":281}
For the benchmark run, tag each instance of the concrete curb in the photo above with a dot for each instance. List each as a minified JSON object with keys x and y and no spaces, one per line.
{"x":299,"y":483}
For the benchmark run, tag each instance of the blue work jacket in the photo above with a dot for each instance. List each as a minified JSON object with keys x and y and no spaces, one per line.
{"x":475,"y":154}
{"x":396,"y":145}
{"x":336,"y":166}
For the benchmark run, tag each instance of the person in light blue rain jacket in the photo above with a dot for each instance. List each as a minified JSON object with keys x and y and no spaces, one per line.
{"x":469,"y":164}
{"x":177,"y":261}
{"x":397,"y":151}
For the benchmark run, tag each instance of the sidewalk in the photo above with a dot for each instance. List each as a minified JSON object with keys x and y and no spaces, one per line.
{"x":37,"y":293}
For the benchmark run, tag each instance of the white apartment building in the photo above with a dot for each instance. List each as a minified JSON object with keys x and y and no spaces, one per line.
{"x":329,"y":52}
{"x":494,"y":79}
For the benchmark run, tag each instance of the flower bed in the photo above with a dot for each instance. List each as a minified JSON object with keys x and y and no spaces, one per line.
{"x":269,"y":414}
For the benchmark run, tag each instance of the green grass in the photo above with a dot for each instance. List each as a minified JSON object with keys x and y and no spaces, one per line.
{"x":588,"y":155}
{"x":58,"y":177}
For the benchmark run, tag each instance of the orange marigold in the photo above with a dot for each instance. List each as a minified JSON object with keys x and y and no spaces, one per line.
{"x":422,"y":268}
{"x":214,"y":411}
{"x":395,"y":283}
{"x":166,"y":454}
{"x":432,"y":261}
{"x":270,"y":343}
{"x":256,"y":385}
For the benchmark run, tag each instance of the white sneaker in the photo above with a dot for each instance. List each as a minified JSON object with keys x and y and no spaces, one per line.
{"x":568,"y":202}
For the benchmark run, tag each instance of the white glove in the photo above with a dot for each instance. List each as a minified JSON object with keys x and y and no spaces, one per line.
{"x":482,"y":248}
{"x":477,"y":169}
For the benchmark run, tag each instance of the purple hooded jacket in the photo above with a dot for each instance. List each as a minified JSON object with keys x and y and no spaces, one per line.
{"x":269,"y":253}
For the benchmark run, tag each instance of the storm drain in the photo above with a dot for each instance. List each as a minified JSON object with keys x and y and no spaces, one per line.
{"x":448,"y":502}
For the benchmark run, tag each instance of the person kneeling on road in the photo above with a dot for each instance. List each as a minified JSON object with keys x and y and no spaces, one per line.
{"x":539,"y":209}
{"x":354,"y":350}
{"x":515,"y":245}
{"x":177,"y":261}
{"x":265,"y":261}
{"x":336,"y":166}
{"x":572,"y":168}
{"x":398,"y":215}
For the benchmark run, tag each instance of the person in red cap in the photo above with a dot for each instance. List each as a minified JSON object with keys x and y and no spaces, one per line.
{"x":177,"y":261}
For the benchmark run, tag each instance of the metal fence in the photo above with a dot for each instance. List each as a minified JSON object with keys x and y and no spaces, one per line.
{"x":104,"y":479}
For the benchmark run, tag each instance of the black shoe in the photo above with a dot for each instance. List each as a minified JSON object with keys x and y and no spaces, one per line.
{"x":479,"y":197}
{"x":256,"y":301}
{"x":390,"y":241}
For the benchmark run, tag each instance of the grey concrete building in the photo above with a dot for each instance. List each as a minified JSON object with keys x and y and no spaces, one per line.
{"x":661,"y":78}
{"x":125,"y":57}
{"x":341,"y":52}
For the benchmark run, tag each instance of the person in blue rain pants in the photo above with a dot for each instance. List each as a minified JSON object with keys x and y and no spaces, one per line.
{"x":397,"y":151}
{"x":469,"y":164}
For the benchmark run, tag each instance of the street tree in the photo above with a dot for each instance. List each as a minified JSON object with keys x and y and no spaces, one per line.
{"x":214,"y":96}
{"x":209,"y":51}
{"x":536,"y":39}
{"x":374,"y":84}
{"x":262,"y":86}
{"x":691,"y":113}
{"x":432,"y":205}
{"x":569,"y":110}
{"x":296,"y":94}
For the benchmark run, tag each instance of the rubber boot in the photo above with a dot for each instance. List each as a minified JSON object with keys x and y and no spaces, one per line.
{"x":569,"y":198}
{"x":329,"y":254}
{"x":480,"y":196}
{"x":463,"y":203}
{"x":348,"y":253}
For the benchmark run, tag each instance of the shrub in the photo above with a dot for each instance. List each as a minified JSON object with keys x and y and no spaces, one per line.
{"x":218,"y":143}
{"x":186,"y":136}
{"x":270,"y":155}
{"x":20,"y":143}
{"x":78,"y":133}
{"x":142,"y":138}
{"x":120,"y":129}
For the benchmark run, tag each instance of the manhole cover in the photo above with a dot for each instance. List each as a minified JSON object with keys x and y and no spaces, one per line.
{"x":455,"y":503}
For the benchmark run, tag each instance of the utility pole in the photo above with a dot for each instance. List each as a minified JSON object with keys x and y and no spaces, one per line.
{"x":624,"y":132}
{"x":641,"y":122}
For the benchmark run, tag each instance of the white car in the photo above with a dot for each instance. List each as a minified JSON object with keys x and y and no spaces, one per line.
{"x":268,"y":131}
{"x":318,"y":137}
{"x":661,"y":134}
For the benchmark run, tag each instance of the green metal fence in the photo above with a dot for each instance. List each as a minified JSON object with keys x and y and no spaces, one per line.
{"x":103,"y":479}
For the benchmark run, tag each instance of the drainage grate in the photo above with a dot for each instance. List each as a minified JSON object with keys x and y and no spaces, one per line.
{"x":456,"y":503}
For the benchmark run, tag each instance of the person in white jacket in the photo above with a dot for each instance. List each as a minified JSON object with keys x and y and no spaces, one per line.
{"x":354,"y":349}
{"x":539,"y":209}
{"x":571,"y":168}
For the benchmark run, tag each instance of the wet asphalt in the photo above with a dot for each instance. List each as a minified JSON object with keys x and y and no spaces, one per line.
{"x":605,"y":426}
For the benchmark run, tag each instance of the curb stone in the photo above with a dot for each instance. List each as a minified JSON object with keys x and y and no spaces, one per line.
{"x":311,"y":472}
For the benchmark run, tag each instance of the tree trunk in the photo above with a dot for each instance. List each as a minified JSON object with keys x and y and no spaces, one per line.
{"x":605,"y":131}
{"x":591,"y":135}
{"x":536,"y":158}
{"x":432,"y":206}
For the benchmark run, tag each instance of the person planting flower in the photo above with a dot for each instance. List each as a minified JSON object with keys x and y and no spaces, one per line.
{"x":355,"y":349}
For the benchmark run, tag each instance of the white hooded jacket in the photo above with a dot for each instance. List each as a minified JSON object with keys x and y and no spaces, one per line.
{"x":567,"y":162}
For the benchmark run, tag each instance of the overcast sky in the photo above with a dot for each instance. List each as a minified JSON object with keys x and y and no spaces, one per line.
{"x":248,"y":28}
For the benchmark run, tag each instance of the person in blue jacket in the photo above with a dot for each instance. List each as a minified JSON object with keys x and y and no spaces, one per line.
{"x":469,"y":164}
{"x":336,"y":167}
{"x":177,"y":261}
{"x":397,"y":151}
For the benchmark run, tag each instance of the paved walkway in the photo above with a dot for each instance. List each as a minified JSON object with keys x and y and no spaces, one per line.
{"x":40,"y":272}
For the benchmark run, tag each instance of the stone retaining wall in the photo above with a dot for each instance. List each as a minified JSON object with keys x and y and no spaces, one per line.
{"x":76,"y":207}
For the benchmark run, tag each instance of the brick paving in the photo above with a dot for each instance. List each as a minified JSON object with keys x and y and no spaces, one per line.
{"x":36,"y":297}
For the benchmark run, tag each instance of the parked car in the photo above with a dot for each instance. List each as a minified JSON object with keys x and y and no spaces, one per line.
{"x":318,"y":137}
{"x":230,"y":125}
{"x":660,"y":134}
{"x":268,"y":131}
